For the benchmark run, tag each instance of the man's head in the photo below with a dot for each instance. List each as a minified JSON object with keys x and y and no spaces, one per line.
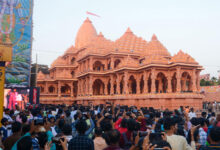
{"x":81,"y":126}
{"x":7,"y":111}
{"x":16,"y":127}
{"x":215,"y":135}
{"x":170,"y":124}
{"x":113,"y":137}
{"x":67,"y":129}
{"x":4,"y":121}
{"x":98,"y":132}
{"x":28,"y":143}
{"x":204,"y":114}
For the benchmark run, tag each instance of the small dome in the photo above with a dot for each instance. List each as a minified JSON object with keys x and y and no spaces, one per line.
{"x":85,"y":34}
{"x":154,"y":47}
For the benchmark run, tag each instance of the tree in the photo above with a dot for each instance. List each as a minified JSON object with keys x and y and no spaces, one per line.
{"x":202,"y":82}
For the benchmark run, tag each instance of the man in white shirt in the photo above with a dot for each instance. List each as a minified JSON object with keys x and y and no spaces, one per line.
{"x":191,"y":114}
{"x":177,"y":142}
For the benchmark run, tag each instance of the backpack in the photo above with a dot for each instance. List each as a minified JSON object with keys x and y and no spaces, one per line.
{"x":127,"y":144}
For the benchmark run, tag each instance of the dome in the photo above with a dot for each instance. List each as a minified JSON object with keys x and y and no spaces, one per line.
{"x":129,"y":42}
{"x":85,"y":34}
{"x":154,"y":47}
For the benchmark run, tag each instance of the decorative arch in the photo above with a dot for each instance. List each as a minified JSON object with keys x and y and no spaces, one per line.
{"x":186,"y":82}
{"x":98,"y":66}
{"x":72,"y":74}
{"x":174,"y":83}
{"x":51,"y":89}
{"x":41,"y":89}
{"x":65,"y":89}
{"x":72,"y":61}
{"x":109,"y":87}
{"x":116,"y":63}
{"x":98,"y":87}
{"x":132,"y":84}
{"x":161,"y":83}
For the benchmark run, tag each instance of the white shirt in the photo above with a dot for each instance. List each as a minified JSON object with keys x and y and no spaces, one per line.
{"x":178,"y":142}
{"x":191,"y":115}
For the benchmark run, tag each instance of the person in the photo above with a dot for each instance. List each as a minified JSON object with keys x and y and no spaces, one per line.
{"x":177,"y":142}
{"x":28,"y":143}
{"x":214,"y":137}
{"x":81,"y":141}
{"x":202,"y":133}
{"x":6,"y":132}
{"x":99,"y":141}
{"x":114,"y":137}
{"x":192,"y":113}
{"x":10,"y":141}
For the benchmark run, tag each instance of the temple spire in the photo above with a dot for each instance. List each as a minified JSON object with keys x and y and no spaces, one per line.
{"x":128,"y":30}
{"x":154,"y":38}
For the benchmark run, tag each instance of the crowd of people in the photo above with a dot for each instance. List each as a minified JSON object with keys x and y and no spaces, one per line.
{"x":108,"y":127}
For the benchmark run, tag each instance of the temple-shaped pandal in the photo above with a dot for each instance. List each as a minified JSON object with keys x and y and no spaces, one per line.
{"x":128,"y":71}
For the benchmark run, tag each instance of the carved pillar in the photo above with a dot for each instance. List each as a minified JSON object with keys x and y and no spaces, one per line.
{"x":138,"y":84}
{"x":59,"y":89}
{"x":198,"y":81}
{"x":169,"y":83}
{"x":71,"y":89}
{"x":126,"y":83}
{"x":90,"y":85}
{"x":194,"y":86}
{"x":118,"y":84}
{"x":112,"y":85}
{"x":90,"y":64}
{"x":46,"y":87}
{"x":112,"y":63}
{"x":79,"y":88}
{"x":106,"y":87}
{"x":153,"y":79}
{"x":178,"y":77}
{"x":146,"y":76}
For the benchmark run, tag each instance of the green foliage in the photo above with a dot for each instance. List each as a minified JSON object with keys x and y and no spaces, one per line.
{"x":22,"y":47}
{"x":214,"y":81}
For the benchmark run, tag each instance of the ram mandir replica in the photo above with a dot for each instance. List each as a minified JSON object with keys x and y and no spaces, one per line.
{"x":128,"y":71}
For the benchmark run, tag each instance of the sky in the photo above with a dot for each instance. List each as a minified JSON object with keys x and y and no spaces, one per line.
{"x":190,"y":25}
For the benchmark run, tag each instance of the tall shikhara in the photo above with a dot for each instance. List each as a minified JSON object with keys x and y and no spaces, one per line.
{"x":128,"y":71}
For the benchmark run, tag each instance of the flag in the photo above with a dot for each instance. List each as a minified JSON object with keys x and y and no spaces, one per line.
{"x":89,"y":13}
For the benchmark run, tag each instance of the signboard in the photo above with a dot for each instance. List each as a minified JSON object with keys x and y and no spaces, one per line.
{"x":21,"y":97}
{"x":16,"y":29}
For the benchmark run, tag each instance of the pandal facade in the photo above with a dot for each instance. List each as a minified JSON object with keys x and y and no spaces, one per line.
{"x":128,"y":71}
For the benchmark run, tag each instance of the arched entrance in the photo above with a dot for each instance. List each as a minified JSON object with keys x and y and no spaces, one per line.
{"x":65,"y":89}
{"x":98,"y":87}
{"x":161,"y":83}
{"x":98,"y":66}
{"x":142,"y":84}
{"x":186,"y":82}
{"x":132,"y":85}
{"x":51,"y":89}
{"x":116,"y":63}
{"x":72,"y":61}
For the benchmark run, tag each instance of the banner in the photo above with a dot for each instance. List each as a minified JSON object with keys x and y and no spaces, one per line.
{"x":16,"y":29}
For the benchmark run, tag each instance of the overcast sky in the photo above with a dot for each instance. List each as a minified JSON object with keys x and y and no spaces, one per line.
{"x":190,"y":25}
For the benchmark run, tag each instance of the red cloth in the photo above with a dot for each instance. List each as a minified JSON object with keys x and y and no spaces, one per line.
{"x":117,"y":126}
{"x":218,"y":124}
{"x":205,"y":129}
